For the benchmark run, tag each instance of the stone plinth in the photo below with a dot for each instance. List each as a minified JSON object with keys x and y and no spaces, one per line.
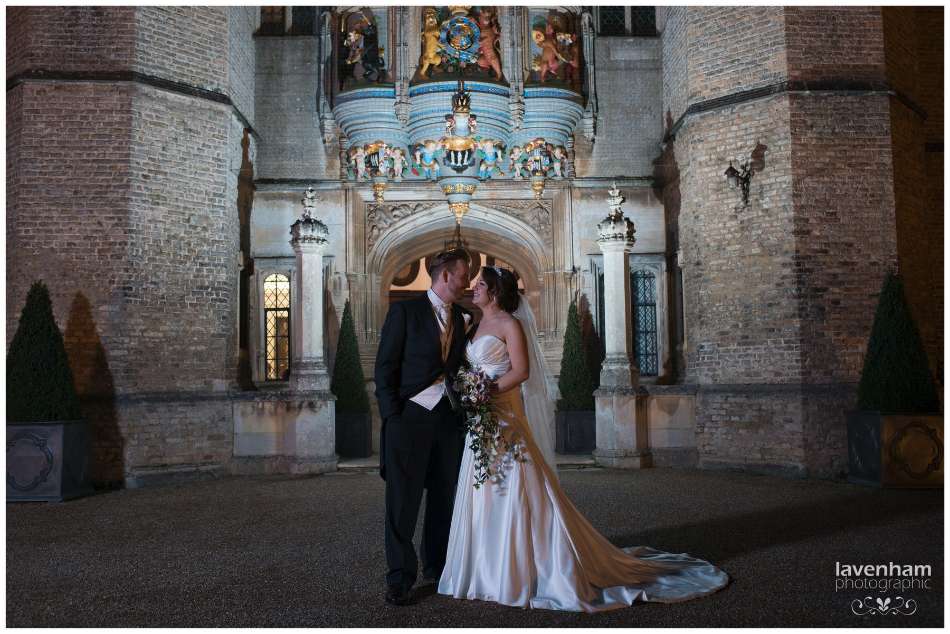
{"x":284,"y":433}
{"x":622,"y":435}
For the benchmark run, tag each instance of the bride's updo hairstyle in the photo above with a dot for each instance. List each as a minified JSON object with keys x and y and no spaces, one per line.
{"x":502,"y":286}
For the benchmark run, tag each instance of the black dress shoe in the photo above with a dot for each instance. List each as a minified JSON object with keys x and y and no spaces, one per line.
{"x":398,"y":594}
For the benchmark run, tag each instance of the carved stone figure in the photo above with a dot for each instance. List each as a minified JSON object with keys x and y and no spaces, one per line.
{"x":570,"y":52}
{"x":548,"y":61}
{"x":431,"y":48}
{"x":489,"y":49}
{"x":371,"y":60}
{"x":359,"y":45}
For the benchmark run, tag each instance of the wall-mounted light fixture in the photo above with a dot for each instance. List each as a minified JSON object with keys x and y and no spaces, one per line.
{"x":741,"y":177}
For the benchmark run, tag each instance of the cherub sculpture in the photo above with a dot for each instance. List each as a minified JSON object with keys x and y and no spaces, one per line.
{"x":397,"y":159}
{"x":427,"y":155}
{"x":549,"y":60}
{"x":358,"y":162}
{"x":558,"y":159}
{"x":516,"y":161}
{"x":490,"y":153}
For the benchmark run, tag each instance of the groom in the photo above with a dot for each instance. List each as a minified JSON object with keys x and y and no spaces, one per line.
{"x":420,"y":447}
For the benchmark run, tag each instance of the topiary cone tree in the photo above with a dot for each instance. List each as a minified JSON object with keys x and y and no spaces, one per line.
{"x":575,"y":382}
{"x":353,"y":423}
{"x":896,"y":376}
{"x":349,"y":384}
{"x":39,"y":381}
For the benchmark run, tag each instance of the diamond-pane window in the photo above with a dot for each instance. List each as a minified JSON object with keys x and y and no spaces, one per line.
{"x":643,"y":292}
{"x":277,"y":327}
{"x":303,"y":20}
{"x":613,"y":21}
{"x":272,"y":21}
{"x":643,"y":21}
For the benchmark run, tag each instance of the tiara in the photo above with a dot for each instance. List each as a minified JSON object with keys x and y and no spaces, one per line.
{"x":498,"y":270}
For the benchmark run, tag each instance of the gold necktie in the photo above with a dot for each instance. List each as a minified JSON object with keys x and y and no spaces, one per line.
{"x":448,"y":322}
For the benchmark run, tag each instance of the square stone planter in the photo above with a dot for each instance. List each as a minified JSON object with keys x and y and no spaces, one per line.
{"x":354,"y":437}
{"x":47,"y":462}
{"x":895,"y":450}
{"x":575,"y":432}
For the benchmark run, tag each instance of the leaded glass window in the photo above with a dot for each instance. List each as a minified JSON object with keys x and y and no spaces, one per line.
{"x":277,"y":327}
{"x":302,"y":20}
{"x":272,"y":21}
{"x":643,"y":21}
{"x":643,"y":292}
{"x":613,"y":21}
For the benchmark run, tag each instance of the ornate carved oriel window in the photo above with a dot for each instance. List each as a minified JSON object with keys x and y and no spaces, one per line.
{"x":643,"y":295}
{"x":277,"y":327}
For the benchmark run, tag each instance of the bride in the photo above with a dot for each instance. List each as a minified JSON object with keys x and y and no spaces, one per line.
{"x":517,"y":539}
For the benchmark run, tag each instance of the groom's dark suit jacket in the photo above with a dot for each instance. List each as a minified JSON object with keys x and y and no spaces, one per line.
{"x":409,"y":358}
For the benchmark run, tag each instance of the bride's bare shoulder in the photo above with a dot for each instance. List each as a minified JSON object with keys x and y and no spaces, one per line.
{"x":511,"y":325}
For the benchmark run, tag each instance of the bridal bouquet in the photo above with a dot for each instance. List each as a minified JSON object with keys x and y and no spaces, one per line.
{"x":490,"y":448}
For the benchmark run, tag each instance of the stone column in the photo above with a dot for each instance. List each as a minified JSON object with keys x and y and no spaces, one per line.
{"x":621,"y":422}
{"x":308,"y":371}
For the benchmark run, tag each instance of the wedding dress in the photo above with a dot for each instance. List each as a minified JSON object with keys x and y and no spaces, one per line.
{"x":523,"y":543}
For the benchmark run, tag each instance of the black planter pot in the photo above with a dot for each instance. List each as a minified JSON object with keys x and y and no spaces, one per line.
{"x":575,"y":432}
{"x":895,"y":450}
{"x":47,"y":461}
{"x":354,"y":435}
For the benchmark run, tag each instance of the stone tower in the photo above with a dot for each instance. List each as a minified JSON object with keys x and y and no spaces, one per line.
{"x":134,"y":230}
{"x":835,"y":108}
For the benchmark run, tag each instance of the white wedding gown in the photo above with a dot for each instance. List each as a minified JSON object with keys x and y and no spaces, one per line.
{"x":523,"y":543}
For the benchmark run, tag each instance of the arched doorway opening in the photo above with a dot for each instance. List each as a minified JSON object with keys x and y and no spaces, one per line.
{"x":414,"y":279}
{"x":489,"y":233}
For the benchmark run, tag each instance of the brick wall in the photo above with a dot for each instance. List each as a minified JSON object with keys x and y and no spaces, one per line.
{"x":844,"y":226}
{"x":930,"y":85}
{"x":123,"y":198}
{"x":675,"y":46}
{"x":907,"y":33}
{"x":732,"y":49}
{"x":70,"y":38}
{"x":834,"y":43}
{"x":183,"y":248}
{"x":779,"y":295}
{"x":242,"y":22}
{"x":185,"y":44}
{"x":742,"y":322}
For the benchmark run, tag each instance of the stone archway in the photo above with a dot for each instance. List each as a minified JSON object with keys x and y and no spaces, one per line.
{"x":487,"y":230}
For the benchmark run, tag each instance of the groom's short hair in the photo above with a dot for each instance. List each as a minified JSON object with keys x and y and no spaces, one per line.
{"x":445,"y":259}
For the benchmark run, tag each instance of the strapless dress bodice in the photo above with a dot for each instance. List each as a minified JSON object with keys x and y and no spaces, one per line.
{"x":490,"y":354}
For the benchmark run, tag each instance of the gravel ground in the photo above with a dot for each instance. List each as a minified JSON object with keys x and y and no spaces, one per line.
{"x":307,"y":552}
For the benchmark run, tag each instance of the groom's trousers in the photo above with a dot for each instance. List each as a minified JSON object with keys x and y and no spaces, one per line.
{"x":423,"y":452}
